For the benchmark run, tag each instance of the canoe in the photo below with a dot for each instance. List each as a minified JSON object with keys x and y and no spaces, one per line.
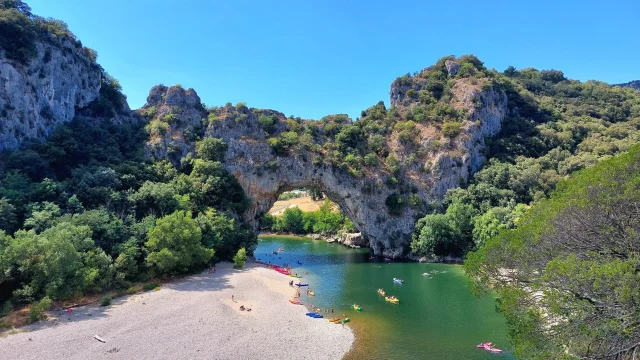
{"x":388,"y":299}
{"x":311,"y":293}
{"x":381,"y":292}
{"x":295,"y":302}
{"x":345,"y":320}
{"x":315,"y":316}
{"x":334,"y":319}
{"x":302,"y":284}
{"x":482,"y":345}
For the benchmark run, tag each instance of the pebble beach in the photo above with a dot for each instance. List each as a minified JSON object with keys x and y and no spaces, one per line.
{"x":190,"y":318}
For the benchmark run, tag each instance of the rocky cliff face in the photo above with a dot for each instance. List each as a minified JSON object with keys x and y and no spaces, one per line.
{"x":36,"y":97}
{"x":265,"y":173}
{"x":635,"y":84}
{"x":176,"y":114}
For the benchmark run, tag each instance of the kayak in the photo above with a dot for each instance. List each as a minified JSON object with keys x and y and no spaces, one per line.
{"x":357,"y":307}
{"x":392,"y":300}
{"x":381,"y":292}
{"x":345,"y":320}
{"x":295,"y":302}
{"x":302,"y":284}
{"x":489,"y":347}
{"x":315,"y":316}
{"x":311,"y":293}
{"x":334,"y":319}
{"x":295,"y":276}
{"x":398,"y":281}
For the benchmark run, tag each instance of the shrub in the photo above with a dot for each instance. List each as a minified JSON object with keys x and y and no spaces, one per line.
{"x":395,"y":204}
{"x":451,"y":129}
{"x":371,"y":160}
{"x":212,"y":149}
{"x":148,"y":287}
{"x":268,"y":122}
{"x":106,"y":301}
{"x":6,"y":308}
{"x":37,"y":310}
{"x":240,"y":260}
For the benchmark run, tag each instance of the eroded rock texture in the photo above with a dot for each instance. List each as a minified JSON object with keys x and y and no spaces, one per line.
{"x":36,"y":97}
{"x":264,"y":172}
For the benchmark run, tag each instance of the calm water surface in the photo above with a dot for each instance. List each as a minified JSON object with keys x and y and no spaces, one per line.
{"x":437,"y":318}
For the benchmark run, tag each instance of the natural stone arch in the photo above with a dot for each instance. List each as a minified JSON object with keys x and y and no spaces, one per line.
{"x":264,"y":174}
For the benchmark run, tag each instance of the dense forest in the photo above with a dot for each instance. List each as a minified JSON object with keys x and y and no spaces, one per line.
{"x":568,"y":277}
{"x":555,"y":127}
{"x":85,"y":212}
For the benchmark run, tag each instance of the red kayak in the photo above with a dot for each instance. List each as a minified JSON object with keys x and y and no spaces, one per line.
{"x":295,"y":302}
{"x":481,"y":346}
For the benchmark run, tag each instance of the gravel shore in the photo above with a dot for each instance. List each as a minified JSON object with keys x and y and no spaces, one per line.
{"x":192,"y":318}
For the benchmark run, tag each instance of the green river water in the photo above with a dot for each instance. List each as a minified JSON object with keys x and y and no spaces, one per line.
{"x":438,"y":317}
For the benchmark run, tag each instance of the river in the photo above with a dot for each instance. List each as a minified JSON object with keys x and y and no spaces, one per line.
{"x":437,"y":318}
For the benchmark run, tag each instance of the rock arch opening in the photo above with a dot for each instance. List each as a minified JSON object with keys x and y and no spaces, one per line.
{"x":309,"y":212}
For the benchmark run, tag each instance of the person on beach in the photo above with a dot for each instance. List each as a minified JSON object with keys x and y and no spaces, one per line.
{"x":233,"y":298}
{"x":214,"y":268}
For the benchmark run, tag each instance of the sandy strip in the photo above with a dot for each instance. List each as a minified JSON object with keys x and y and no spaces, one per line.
{"x":193,"y":318}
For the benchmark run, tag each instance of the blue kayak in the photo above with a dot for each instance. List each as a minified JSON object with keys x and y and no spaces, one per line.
{"x":302,"y":284}
{"x":314,"y":315}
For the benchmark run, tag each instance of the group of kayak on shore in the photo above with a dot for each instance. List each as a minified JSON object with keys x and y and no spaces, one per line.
{"x":316,"y":313}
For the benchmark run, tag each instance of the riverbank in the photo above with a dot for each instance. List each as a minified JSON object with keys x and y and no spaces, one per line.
{"x":189,"y":318}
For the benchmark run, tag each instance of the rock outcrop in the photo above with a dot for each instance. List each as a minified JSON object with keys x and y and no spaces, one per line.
{"x":265,"y":173}
{"x":352,"y":239}
{"x":177,"y":113}
{"x":36,"y":97}
{"x":635,"y":84}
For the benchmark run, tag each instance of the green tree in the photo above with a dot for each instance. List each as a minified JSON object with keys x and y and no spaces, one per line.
{"x":212,"y":149}
{"x":433,"y":235}
{"x":292,"y":220}
{"x":174,"y":245}
{"x":42,"y":216}
{"x":240,"y":259}
{"x":155,"y":198}
{"x":8,"y":216}
{"x":61,"y":262}
{"x":567,"y":276}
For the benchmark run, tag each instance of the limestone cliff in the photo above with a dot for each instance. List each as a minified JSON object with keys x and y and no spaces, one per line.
{"x":422,"y":169}
{"x":46,"y":91}
{"x":635,"y":84}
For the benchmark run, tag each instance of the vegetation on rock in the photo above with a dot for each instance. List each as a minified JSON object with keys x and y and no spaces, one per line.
{"x":567,"y":277}
{"x":85,"y":212}
{"x":555,"y":127}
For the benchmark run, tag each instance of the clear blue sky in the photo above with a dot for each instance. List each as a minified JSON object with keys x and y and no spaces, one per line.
{"x":311,"y":58}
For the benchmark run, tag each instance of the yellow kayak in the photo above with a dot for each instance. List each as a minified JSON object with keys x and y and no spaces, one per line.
{"x":334,"y":319}
{"x":381,"y":292}
{"x":311,"y":293}
{"x":357,"y":307}
{"x":392,"y":300}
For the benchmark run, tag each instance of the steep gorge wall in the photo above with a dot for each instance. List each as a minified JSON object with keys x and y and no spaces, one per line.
{"x":36,"y":97}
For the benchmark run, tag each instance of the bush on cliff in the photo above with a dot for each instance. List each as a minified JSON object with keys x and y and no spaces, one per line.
{"x":567,"y":276}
